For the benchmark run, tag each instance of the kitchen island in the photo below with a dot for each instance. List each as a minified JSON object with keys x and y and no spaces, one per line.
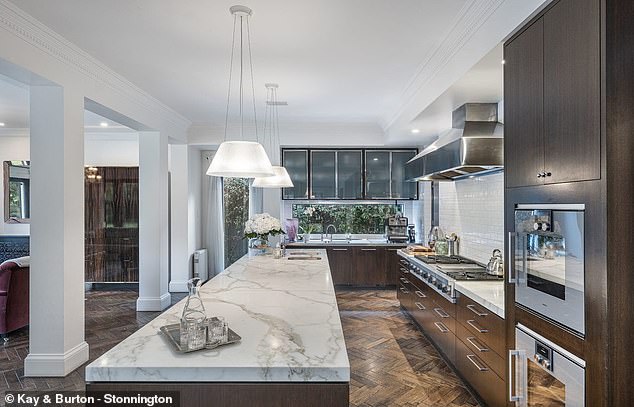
{"x":292,"y":350}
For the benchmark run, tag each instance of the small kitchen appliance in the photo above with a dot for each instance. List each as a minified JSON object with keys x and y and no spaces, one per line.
{"x":495,"y":265}
{"x":411,"y":234}
{"x":396,"y":229}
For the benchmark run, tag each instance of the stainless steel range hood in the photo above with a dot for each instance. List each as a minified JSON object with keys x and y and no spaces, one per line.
{"x":474,"y":145}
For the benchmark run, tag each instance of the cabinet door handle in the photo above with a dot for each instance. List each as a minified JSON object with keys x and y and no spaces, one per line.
{"x":441,"y":327}
{"x":476,"y":345}
{"x":476,"y":362}
{"x":473,"y":309}
{"x":420,"y":306}
{"x":511,"y":257}
{"x":368,"y":250}
{"x":420,"y":294}
{"x":441,"y":312}
{"x":476,"y":327}
{"x":518,"y":394}
{"x":404,"y":290}
{"x":339,"y":250}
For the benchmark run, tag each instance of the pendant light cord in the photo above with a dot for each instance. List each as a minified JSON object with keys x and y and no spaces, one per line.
{"x":255,"y":115}
{"x":233,"y":43}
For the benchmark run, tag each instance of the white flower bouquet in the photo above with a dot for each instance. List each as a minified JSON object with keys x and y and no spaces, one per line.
{"x":262,"y":226}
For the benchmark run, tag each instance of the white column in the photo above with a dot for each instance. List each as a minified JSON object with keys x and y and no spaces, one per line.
{"x":153,"y":222}
{"x":180,"y":258}
{"x":56,"y":333}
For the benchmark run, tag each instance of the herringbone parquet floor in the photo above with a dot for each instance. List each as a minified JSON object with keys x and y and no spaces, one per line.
{"x":392,"y":364}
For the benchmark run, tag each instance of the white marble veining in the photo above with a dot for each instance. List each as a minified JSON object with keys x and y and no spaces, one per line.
{"x":489,"y":294}
{"x":285,"y":310}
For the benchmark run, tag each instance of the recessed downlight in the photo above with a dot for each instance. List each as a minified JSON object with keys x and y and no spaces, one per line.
{"x":1,"y":124}
{"x":103,"y":124}
{"x":503,"y":62}
{"x":415,"y":131}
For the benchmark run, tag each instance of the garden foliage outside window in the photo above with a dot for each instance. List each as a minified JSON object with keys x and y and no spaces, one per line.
{"x":347,"y":218}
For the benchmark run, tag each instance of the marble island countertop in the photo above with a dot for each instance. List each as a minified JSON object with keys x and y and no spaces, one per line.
{"x":285,"y":310}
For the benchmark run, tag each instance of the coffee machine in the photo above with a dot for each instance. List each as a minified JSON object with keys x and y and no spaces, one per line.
{"x":396,"y":229}
{"x":411,"y":234}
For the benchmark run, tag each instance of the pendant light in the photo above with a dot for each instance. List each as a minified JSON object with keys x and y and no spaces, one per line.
{"x":281,"y":179}
{"x":241,"y":158}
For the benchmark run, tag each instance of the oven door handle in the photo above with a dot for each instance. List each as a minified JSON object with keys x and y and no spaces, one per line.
{"x":511,"y":257}
{"x":518,"y":393}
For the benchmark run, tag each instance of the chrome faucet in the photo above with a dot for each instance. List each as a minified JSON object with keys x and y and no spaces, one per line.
{"x":328,"y":228}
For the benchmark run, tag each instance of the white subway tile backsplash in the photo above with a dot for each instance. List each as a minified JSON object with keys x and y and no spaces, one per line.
{"x":473,"y":208}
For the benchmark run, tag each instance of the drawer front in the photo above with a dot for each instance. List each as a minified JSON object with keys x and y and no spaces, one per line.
{"x":482,"y":323}
{"x":403,"y":295}
{"x":448,"y":307}
{"x":481,"y":350}
{"x":442,"y":336}
{"x":480,"y":376}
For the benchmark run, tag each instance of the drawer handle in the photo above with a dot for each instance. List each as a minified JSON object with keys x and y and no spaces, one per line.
{"x":473,"y":359}
{"x":441,"y":327}
{"x":404,"y":280}
{"x":473,"y":309}
{"x":477,"y":328}
{"x":476,"y":345}
{"x":339,"y":250}
{"x":405,"y":262}
{"x":420,"y":294}
{"x":420,"y":306}
{"x":441,"y":312}
{"x":368,"y":250}
{"x":404,"y":290}
{"x":404,"y":270}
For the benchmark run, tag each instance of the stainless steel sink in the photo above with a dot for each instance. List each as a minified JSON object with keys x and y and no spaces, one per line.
{"x":303,"y":258}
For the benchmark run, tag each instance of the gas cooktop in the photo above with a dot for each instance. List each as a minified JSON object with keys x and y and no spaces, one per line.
{"x":440,"y":259}
{"x":474,"y":275}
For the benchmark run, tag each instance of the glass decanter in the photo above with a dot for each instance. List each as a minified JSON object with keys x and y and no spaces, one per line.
{"x":193,"y":320}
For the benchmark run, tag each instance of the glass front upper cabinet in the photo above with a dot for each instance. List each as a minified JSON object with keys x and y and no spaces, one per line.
{"x":401,"y":189}
{"x":296,"y":163}
{"x":323,"y":174}
{"x":350,"y":174}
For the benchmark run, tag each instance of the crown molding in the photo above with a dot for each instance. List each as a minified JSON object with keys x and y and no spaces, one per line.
{"x":33,"y":32}
{"x":468,"y":21}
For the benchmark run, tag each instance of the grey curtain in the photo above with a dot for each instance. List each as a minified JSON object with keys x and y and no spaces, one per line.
{"x":213,"y":224}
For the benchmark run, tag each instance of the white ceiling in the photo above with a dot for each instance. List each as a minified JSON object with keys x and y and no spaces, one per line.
{"x":335,"y":60}
{"x":483,"y":83}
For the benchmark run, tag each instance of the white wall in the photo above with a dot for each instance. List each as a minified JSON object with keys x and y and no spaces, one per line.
{"x":112,"y":150}
{"x":473,"y":208}
{"x":12,"y":148}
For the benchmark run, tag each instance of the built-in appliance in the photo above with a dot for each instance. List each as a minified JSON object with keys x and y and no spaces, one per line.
{"x":547,"y":263}
{"x":474,"y":145}
{"x":442,"y":272}
{"x":541,"y":373}
{"x":396,"y":229}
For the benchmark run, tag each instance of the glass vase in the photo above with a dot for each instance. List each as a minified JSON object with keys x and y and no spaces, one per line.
{"x":259,"y":245}
{"x":193,"y":333}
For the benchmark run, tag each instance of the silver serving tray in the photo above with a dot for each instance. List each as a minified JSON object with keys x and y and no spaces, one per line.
{"x":173,"y":334}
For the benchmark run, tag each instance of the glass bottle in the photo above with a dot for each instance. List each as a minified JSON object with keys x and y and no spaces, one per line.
{"x":193,"y":319}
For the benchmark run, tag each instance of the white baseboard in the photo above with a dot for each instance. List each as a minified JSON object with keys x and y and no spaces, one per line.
{"x":154,"y":303}
{"x":55,"y":364}
{"x":178,"y":287}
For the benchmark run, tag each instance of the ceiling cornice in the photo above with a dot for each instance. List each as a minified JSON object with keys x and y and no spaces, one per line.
{"x":470,"y":18}
{"x":26,"y":27}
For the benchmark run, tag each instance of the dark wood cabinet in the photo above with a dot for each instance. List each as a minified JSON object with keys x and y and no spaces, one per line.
{"x":572,"y":133}
{"x":552,"y":98}
{"x":524,"y":106}
{"x":340,"y":261}
{"x":392,"y":265}
{"x":368,"y":268}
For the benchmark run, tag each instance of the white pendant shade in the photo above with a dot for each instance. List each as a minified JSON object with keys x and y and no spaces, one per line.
{"x":241,"y":159}
{"x":281,"y":179}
